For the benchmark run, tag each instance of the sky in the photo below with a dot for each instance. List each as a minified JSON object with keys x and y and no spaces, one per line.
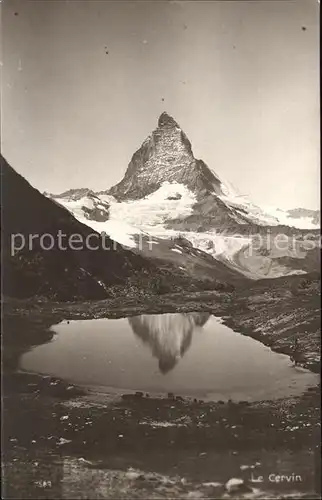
{"x":84,"y":82}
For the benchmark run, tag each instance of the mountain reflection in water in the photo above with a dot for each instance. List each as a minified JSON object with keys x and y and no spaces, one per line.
{"x":168,"y":335}
{"x":198,"y":356}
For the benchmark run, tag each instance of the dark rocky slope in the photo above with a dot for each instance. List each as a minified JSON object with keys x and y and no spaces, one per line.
{"x":62,"y":274}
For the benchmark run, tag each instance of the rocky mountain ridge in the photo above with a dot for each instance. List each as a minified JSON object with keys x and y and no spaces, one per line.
{"x":166,"y":155}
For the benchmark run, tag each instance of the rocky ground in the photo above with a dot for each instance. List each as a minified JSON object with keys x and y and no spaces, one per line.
{"x":61,"y":442}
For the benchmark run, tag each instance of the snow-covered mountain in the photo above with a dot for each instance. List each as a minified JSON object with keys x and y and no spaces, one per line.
{"x":83,"y":202}
{"x":166,"y":191}
{"x":302,"y":217}
{"x":166,"y":156}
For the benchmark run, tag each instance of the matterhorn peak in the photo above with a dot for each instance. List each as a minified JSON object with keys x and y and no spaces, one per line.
{"x":166,"y":120}
{"x":165,"y":156}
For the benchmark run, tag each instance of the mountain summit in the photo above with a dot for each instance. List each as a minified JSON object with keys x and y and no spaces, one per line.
{"x":165,"y":156}
{"x":165,"y":120}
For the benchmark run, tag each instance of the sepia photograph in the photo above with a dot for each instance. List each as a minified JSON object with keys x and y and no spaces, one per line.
{"x":160,"y":249}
